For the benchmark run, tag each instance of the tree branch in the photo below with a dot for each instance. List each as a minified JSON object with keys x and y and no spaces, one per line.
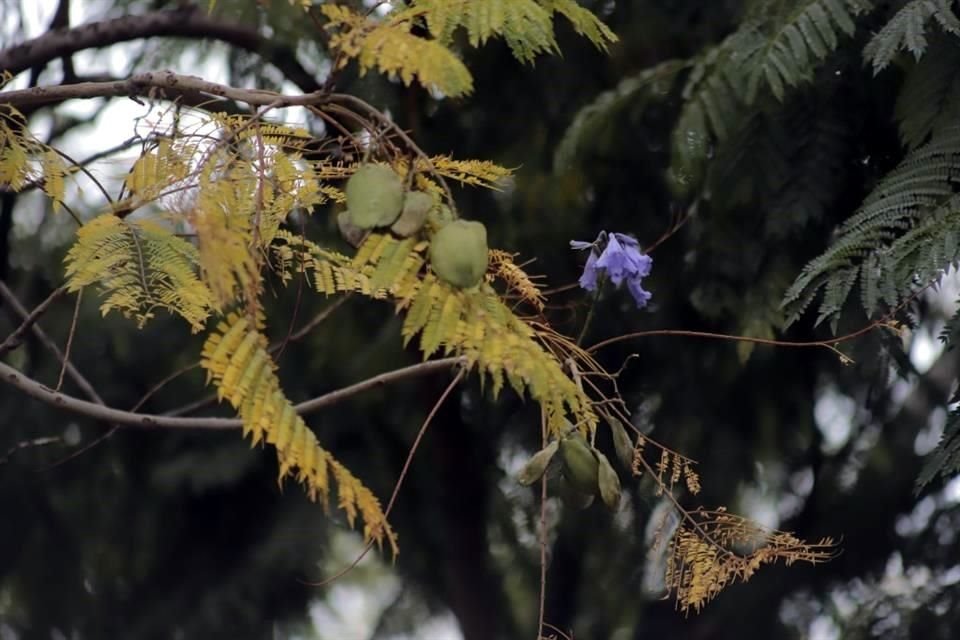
{"x":48,"y":396}
{"x":158,"y":84}
{"x":184,"y":22}
{"x":78,"y":378}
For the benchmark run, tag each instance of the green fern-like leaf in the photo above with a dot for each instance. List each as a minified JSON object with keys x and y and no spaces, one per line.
{"x":236,"y":359}
{"x":945,"y":459}
{"x":599,"y":119}
{"x":929,"y":100}
{"x":907,"y":30}
{"x":903,"y":234}
{"x":808,"y":35}
{"x":139,"y":267}
{"x":525,"y":25}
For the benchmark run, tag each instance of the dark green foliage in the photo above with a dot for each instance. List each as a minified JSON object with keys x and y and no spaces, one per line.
{"x":907,"y":29}
{"x":930,"y":97}
{"x":945,"y":459}
{"x":902,"y":235}
{"x":807,"y":36}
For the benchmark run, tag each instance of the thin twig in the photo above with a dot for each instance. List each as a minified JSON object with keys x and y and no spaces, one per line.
{"x":211,"y":398}
{"x":396,"y":487}
{"x":13,"y":340}
{"x":69,"y":347}
{"x":75,"y":375}
{"x":543,"y":531}
{"x":26,"y":444}
{"x":827,"y":344}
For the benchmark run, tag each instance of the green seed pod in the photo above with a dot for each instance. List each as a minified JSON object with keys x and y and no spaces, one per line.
{"x":374,"y":196}
{"x":579,"y":463}
{"x":458,"y":253}
{"x":537,"y":464}
{"x":350,"y":232}
{"x":416,"y":206}
{"x":621,"y":442}
{"x":609,"y":482}
{"x":572,"y":496}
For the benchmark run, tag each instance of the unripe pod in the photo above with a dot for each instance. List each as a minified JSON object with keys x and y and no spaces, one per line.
{"x":609,"y":482}
{"x":416,"y":206}
{"x":459,"y":254}
{"x":579,"y":463}
{"x":537,"y":464}
{"x":374,"y":196}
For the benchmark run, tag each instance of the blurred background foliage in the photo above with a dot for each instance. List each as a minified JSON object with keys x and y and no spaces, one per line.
{"x":186,"y":535}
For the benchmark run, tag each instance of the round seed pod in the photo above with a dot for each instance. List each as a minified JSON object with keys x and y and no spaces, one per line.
{"x":416,"y":206}
{"x":374,"y":196}
{"x":458,"y":253}
{"x":579,"y":464}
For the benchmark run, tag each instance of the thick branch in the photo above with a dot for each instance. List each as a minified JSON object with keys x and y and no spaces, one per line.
{"x":47,"y":395}
{"x":186,"y":22}
{"x":158,"y":84}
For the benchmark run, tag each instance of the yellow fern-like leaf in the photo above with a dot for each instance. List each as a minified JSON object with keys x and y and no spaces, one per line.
{"x":714,"y":549}
{"x":478,"y":173}
{"x":54,"y":174}
{"x":223,"y":220}
{"x":519,"y":283}
{"x":390,"y":47}
{"x":139,"y":266}
{"x":25,"y":160}
{"x":156,"y":170}
{"x":473,"y":323}
{"x":236,"y":359}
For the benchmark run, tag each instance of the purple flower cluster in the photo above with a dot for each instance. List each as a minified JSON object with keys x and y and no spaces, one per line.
{"x":618,"y":256}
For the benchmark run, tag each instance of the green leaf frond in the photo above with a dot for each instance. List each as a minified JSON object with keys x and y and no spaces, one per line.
{"x":945,"y":459}
{"x":797,"y":44}
{"x":139,"y":266}
{"x":473,"y":323}
{"x":789,"y":163}
{"x":600,"y":120}
{"x":907,"y":30}
{"x":525,"y":25}
{"x":929,"y":100}
{"x":236,"y":359}
{"x":903,"y":234}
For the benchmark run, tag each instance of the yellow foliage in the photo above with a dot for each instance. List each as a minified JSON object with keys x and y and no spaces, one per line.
{"x":223,"y":220}
{"x":235,"y":357}
{"x":712,"y":549}
{"x":25,"y":160}
{"x":139,"y":266}
{"x":477,"y":173}
{"x":473,"y":323}
{"x":390,"y":47}
{"x":157,"y":169}
{"x":517,"y":280}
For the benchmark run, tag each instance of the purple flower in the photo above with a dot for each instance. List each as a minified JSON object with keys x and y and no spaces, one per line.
{"x":620,"y":259}
{"x":588,"y":280}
